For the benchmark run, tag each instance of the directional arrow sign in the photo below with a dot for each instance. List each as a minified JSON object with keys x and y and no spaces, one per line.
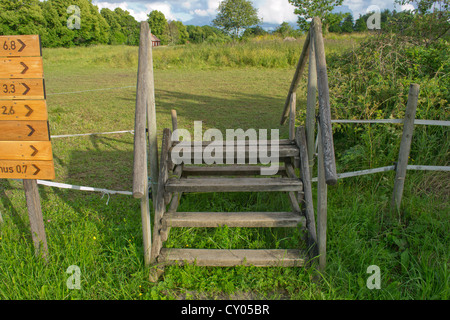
{"x":20,"y":46}
{"x":26,"y":150}
{"x":29,"y":67}
{"x":22,"y":89}
{"x":24,"y":131}
{"x":23,"y":110}
{"x":30,"y":169}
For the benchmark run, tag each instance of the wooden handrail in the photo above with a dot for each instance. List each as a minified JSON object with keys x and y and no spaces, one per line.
{"x":326,"y":132}
{"x":295,"y":81}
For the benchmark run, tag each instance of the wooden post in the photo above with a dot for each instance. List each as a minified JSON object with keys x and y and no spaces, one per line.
{"x":36,"y":219}
{"x":174,"y":125}
{"x":295,"y":81}
{"x":405,"y":145}
{"x":324,"y":105}
{"x":311,"y":103}
{"x":307,"y":189}
{"x":151,"y":116}
{"x":321,"y":208}
{"x":292,"y":112}
{"x":140,"y":169}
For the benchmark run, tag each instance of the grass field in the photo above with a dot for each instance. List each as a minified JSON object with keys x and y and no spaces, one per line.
{"x":103,"y":235}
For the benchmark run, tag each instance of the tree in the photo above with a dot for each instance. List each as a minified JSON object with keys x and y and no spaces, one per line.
{"x":347,"y":24}
{"x":284,"y":29}
{"x":361,"y":24}
{"x":158,"y":24}
{"x":235,"y":15}
{"x":308,"y":9}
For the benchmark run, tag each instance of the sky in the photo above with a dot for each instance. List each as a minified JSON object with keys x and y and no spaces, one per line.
{"x":202,"y":12}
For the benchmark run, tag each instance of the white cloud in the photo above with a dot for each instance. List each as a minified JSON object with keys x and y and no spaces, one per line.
{"x":138,"y":15}
{"x":275,"y":11}
{"x":407,"y":6}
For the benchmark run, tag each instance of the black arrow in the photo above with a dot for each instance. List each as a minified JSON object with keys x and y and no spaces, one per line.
{"x":25,"y":66}
{"x":32,"y":130}
{"x":35,"y":150}
{"x":30,"y":111}
{"x":37,"y":170}
{"x":27,"y":89}
{"x":23,"y":45}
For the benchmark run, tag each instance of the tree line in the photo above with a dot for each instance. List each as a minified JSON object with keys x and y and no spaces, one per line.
{"x":54,"y":20}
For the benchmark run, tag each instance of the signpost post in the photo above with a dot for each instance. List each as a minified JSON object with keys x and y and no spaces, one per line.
{"x":25,"y":147}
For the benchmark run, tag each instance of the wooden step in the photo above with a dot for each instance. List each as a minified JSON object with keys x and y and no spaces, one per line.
{"x":230,"y":170}
{"x":235,"y":257}
{"x":245,"y":152}
{"x":233,"y":184}
{"x":232,"y":219}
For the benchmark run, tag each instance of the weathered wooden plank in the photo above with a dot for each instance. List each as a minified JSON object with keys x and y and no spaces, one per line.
{"x":324,"y":105}
{"x":311,"y":103}
{"x":230,"y":170}
{"x":151,"y":110}
{"x":232,"y":219}
{"x":296,"y":80}
{"x":160,"y":207}
{"x":237,"y":152}
{"x":321,"y":208}
{"x":307,"y":188}
{"x":292,"y":114}
{"x":246,"y":142}
{"x":233,"y":184}
{"x":405,"y":145}
{"x":230,"y":258}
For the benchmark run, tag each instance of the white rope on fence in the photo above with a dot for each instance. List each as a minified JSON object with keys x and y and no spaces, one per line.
{"x":416,"y":121}
{"x":82,"y":188}
{"x":90,"y":134}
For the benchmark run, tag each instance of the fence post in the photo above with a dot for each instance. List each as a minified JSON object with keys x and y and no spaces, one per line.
{"x":311,"y":102}
{"x":35,"y":215}
{"x":405,"y":145}
{"x":292,"y":113}
{"x":322,"y":190}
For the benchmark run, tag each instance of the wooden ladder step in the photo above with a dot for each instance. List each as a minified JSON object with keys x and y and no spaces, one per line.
{"x":233,"y":184}
{"x":233,"y":170}
{"x":235,"y":257}
{"x":232,"y":219}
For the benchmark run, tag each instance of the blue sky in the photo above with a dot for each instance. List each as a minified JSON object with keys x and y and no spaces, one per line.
{"x":202,"y":12}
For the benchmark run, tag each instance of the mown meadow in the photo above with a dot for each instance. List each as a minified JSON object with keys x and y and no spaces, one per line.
{"x":237,"y":85}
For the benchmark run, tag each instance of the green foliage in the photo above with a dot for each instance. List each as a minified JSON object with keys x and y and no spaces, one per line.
{"x":308,"y":9}
{"x":158,"y":24}
{"x":235,"y":15}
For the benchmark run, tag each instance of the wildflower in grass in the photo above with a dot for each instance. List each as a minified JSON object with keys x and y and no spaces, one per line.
{"x":94,"y":238}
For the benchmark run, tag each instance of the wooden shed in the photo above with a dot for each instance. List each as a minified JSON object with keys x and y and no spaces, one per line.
{"x":155,"y":41}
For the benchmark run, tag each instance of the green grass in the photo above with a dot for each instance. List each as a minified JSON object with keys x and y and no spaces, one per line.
{"x":104,"y":237}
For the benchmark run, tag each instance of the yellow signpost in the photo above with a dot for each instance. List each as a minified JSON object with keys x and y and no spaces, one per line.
{"x":25,"y":147}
